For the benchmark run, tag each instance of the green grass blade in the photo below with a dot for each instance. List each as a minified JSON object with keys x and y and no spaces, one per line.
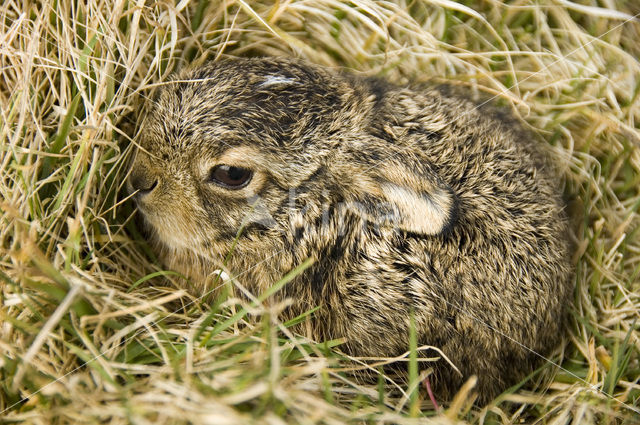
{"x":261,"y":298}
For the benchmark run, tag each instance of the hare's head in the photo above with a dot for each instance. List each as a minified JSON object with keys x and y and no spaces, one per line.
{"x":269,"y":146}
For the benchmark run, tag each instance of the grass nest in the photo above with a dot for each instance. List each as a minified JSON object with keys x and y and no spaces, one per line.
{"x":94,"y":330}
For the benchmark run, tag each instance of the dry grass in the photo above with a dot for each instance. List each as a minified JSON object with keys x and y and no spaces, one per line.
{"x":83,"y":340}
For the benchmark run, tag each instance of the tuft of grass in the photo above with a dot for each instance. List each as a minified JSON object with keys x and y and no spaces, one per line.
{"x":93,"y":329}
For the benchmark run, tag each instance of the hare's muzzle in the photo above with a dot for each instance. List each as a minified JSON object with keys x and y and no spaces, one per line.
{"x":141,"y":184}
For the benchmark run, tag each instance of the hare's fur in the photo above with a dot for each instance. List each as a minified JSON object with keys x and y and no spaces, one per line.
{"x":410,"y":199}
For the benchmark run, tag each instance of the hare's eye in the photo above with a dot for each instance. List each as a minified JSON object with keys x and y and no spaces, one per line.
{"x":230,"y":177}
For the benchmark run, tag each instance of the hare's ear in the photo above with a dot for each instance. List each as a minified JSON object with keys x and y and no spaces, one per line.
{"x":394,"y":195}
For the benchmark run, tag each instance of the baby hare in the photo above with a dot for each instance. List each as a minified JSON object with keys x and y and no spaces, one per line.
{"x":413,"y":201}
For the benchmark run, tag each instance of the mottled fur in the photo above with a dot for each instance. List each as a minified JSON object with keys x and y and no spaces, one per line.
{"x":408,"y":198}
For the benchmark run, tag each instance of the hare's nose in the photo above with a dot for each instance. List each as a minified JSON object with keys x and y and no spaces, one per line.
{"x":142,"y":183}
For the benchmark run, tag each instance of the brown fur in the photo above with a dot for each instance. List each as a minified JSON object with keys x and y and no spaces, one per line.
{"x":408,"y":198}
